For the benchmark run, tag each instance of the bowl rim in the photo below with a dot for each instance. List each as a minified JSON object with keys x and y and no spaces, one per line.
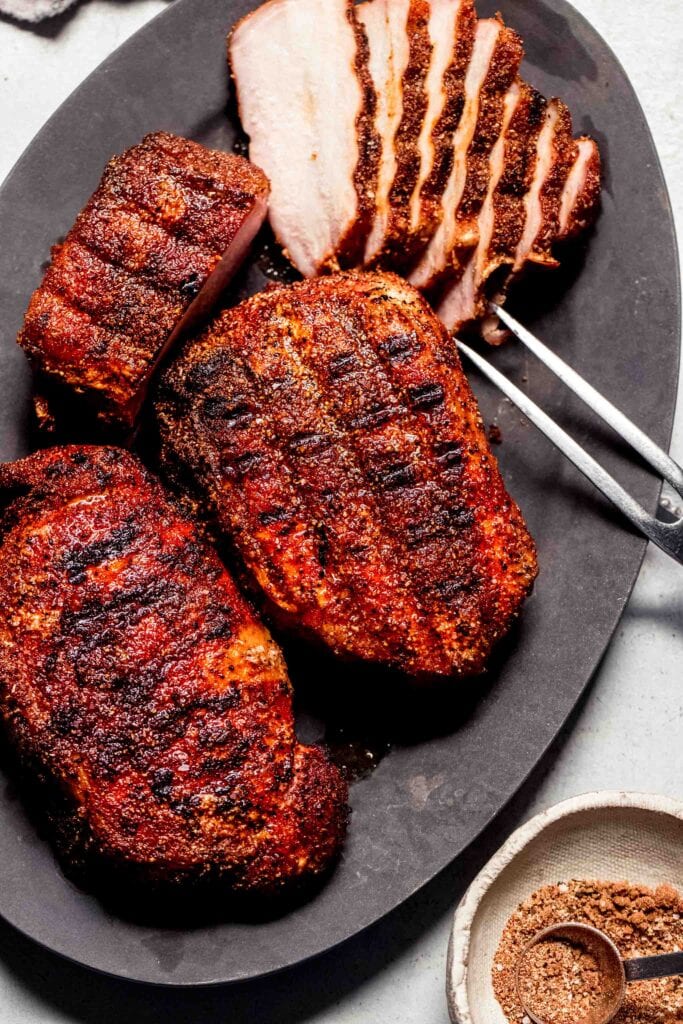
{"x":459,"y":941}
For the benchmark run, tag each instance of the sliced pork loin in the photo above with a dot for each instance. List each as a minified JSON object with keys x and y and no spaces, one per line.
{"x":503,"y":214}
{"x":473,"y":171}
{"x":306,"y":101}
{"x":148,"y":255}
{"x":493,"y":67}
{"x":392,"y":249}
{"x":561,"y":200}
{"x":452,"y":27}
{"x":385,"y":24}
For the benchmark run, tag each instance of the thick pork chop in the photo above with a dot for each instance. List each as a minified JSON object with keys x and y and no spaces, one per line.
{"x":139,"y":689}
{"x":330,"y":430}
{"x":150,"y":253}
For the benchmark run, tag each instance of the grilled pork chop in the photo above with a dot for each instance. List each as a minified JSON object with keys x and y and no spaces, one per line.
{"x":137,"y":685}
{"x":476,"y":173}
{"x":329,"y":429}
{"x":159,"y":239}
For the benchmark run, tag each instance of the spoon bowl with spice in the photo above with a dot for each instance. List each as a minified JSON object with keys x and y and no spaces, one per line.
{"x":612,"y":861}
{"x":573,"y":973}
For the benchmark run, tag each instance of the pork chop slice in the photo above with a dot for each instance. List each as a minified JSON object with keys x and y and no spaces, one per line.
{"x":392,"y":248}
{"x":492,"y":69}
{"x":385,"y":23}
{"x":307,"y":104}
{"x":452,"y":26}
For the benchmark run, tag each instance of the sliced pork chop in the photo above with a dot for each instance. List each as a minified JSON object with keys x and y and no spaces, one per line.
{"x":461,"y":299}
{"x":395,"y":251}
{"x":308,"y":113}
{"x":483,"y":97}
{"x":581,"y":192}
{"x":452,"y":26}
{"x":561,"y":200}
{"x":148,"y":255}
{"x":385,"y":23}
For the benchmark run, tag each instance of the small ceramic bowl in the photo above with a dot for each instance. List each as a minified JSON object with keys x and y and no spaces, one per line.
{"x":611,"y":836}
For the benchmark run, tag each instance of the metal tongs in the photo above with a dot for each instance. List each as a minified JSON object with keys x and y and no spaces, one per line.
{"x":666,"y":535}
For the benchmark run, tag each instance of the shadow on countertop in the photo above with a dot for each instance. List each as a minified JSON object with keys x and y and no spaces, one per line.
{"x":288,"y":997}
{"x":51,"y":26}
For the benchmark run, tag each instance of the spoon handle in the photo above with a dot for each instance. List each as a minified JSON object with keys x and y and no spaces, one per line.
{"x":661,"y":966}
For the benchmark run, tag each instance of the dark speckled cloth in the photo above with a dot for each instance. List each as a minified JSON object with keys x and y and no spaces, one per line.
{"x":34,"y":10}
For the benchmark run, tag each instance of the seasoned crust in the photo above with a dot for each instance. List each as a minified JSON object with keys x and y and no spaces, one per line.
{"x":139,"y":690}
{"x":350,"y":249}
{"x":332,"y":436}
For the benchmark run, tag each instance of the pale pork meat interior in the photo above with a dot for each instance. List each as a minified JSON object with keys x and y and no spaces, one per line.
{"x":300,"y":99}
{"x":452,"y":169}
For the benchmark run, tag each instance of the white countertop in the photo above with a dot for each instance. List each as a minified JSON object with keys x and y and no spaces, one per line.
{"x":628,"y":734}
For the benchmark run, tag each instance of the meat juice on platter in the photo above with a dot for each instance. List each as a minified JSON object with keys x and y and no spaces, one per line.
{"x":323,"y":429}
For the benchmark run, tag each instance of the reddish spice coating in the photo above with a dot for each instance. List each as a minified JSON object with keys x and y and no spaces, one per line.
{"x":350,"y":248}
{"x":331,"y":431}
{"x":163,"y":219}
{"x":136,"y":680}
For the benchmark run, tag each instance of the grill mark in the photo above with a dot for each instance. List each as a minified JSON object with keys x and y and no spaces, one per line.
{"x":396,"y":477}
{"x":343,"y":365}
{"x":374,"y":417}
{"x":426,"y":396}
{"x":235,"y":413}
{"x":400,"y":346}
{"x":275,"y":515}
{"x":116,"y":544}
{"x":309,"y":443}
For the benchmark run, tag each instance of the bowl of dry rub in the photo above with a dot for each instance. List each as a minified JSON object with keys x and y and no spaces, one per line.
{"x":610,"y":861}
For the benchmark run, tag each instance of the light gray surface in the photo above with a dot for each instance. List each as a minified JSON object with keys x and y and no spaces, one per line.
{"x":627,"y":735}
